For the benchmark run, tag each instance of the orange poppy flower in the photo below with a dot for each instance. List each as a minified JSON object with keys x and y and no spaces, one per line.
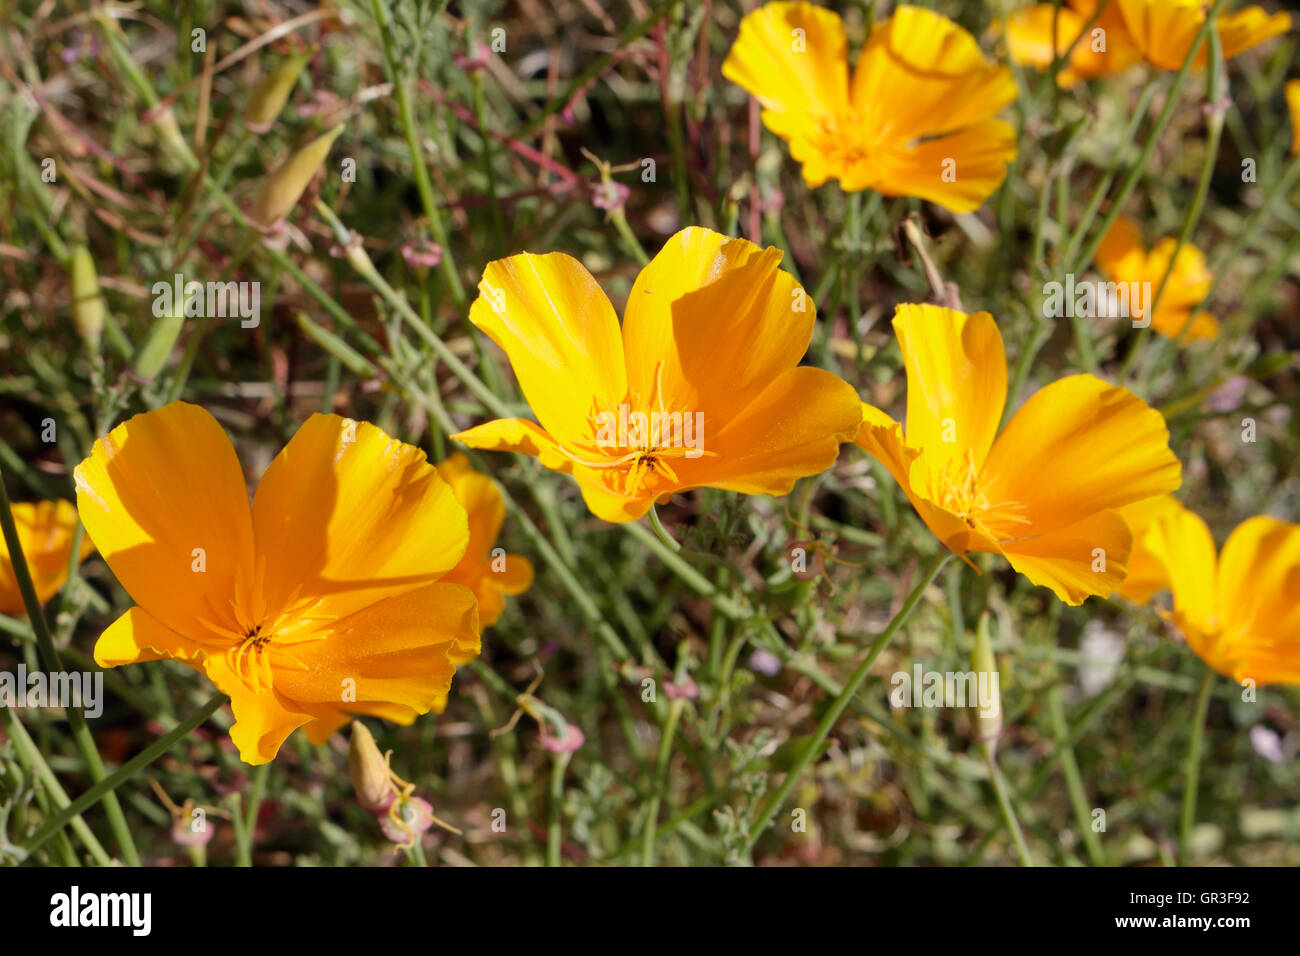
{"x":487,"y":571}
{"x":917,"y":119}
{"x":1042,"y":493}
{"x":1164,"y":30}
{"x":700,"y":388}
{"x":321,"y":600}
{"x":1240,"y":611}
{"x":45,"y":531}
{"x":1105,"y":50}
{"x":1122,"y":258}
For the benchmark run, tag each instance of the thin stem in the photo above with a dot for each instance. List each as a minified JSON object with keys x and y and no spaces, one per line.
{"x":1008,"y":810}
{"x":50,"y":659}
{"x":554,"y":828}
{"x":249,"y":824}
{"x":1194,"y":766}
{"x":763,"y":815}
{"x":1074,"y":779}
{"x":402,"y":94}
{"x":661,"y":779}
{"x":104,"y":788}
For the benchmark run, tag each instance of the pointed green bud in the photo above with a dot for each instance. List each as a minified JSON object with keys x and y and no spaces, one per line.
{"x":269,"y":96}
{"x":987,"y":717}
{"x":281,"y":190}
{"x":87,"y":301}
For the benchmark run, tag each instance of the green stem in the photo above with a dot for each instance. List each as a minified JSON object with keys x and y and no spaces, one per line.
{"x":1194,"y":766}
{"x":1135,"y":173}
{"x":30,"y":755}
{"x":245,"y":856}
{"x":103,"y":789}
{"x":763,"y":815}
{"x":50,"y":660}
{"x":1073,"y":779}
{"x":402,"y":93}
{"x":661,"y":779}
{"x":554,"y":829}
{"x":1008,"y":810}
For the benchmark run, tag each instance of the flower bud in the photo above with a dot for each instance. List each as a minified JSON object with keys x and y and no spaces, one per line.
{"x":269,"y":96}
{"x":369,"y":771}
{"x":159,"y":342}
{"x":988,"y":698}
{"x":281,"y":190}
{"x":87,"y":302}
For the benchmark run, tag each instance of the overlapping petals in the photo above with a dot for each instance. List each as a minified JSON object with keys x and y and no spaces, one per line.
{"x":916,"y":119}
{"x":317,"y":601}
{"x":1164,"y":30}
{"x":1043,"y":492}
{"x":489,"y":572}
{"x":706,"y":358}
{"x":1098,"y":44}
{"x":1240,"y":612}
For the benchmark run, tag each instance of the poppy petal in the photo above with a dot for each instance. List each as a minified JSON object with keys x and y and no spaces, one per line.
{"x":560,"y":333}
{"x":349,"y":516}
{"x":163,"y":498}
{"x":1078,"y":447}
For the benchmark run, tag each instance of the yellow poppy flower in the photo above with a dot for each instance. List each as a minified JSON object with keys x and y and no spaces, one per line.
{"x":1293,"y":106}
{"x":322,"y":599}
{"x":702,"y":387}
{"x":1164,"y":30}
{"x":1106,"y":50}
{"x":1121,"y":258}
{"x":45,"y":531}
{"x":490,"y":573}
{"x":1043,"y":492}
{"x":1147,"y":574}
{"x":1240,"y":612}
{"x":917,"y":119}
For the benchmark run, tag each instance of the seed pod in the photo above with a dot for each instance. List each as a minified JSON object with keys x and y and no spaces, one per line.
{"x":988,"y":703}
{"x":159,"y":341}
{"x":281,"y":190}
{"x":269,"y":96}
{"x":369,"y":771}
{"x":87,"y":301}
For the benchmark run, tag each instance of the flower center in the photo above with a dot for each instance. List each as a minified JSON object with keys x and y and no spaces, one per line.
{"x":638,"y":438}
{"x":959,"y":488}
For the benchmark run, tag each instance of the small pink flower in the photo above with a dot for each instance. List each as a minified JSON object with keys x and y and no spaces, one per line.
{"x":572,"y":740}
{"x":609,"y":195}
{"x":686,"y":689}
{"x":192,"y":832}
{"x":417,"y":816}
{"x":765,"y":663}
{"x":419,"y":253}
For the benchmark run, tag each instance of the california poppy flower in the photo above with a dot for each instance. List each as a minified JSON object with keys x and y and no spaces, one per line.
{"x":1105,"y":50}
{"x":487,"y":571}
{"x":1147,"y":575}
{"x":700,"y":388}
{"x":45,"y":531}
{"x":1164,"y":30}
{"x":1240,"y":611}
{"x":917,"y":119}
{"x":1122,"y":258}
{"x":1043,"y":492}
{"x":321,"y":600}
